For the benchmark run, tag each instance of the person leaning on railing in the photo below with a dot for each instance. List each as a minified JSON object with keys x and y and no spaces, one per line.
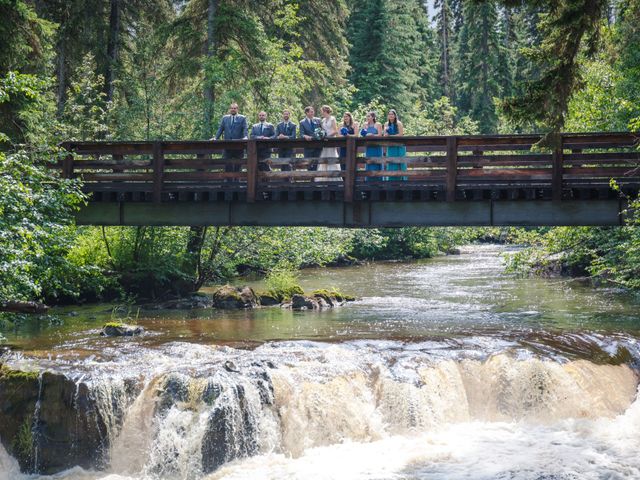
{"x":263,"y":130}
{"x":372,"y":127}
{"x":233,"y":126}
{"x":286,"y":130}
{"x":347,"y":129}
{"x":394,"y":128}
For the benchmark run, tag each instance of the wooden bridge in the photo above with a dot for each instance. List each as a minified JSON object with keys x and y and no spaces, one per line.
{"x":453,"y":180}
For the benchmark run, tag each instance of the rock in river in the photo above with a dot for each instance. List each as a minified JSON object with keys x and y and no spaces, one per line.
{"x":229,"y":298}
{"x":121,"y":330}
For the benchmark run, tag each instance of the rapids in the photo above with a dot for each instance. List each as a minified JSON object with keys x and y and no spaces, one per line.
{"x":489,"y":380}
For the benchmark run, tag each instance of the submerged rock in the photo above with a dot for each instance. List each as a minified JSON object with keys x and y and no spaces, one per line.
{"x":121,"y":330}
{"x":229,"y":298}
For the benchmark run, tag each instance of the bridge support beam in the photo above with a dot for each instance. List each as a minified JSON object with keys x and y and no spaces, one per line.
{"x":357,"y":214}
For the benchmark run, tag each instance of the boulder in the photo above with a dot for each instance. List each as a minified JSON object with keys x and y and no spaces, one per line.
{"x":229,"y":298}
{"x":121,"y":330}
{"x":300,"y":302}
{"x":66,"y":429}
{"x":268,"y":300}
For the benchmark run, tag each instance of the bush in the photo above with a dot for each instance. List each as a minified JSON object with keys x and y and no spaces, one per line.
{"x":282,"y":284}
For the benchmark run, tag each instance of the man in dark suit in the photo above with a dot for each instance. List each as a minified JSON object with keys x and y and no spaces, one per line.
{"x":286,"y":130}
{"x":261,"y":131}
{"x":233,"y":126}
{"x":307,"y":128}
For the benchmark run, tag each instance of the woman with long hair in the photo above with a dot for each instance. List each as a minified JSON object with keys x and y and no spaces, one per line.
{"x":348,"y":128}
{"x":394,"y":128}
{"x":330,"y":127}
{"x":372,"y":127}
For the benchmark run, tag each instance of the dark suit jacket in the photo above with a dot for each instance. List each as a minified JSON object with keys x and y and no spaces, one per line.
{"x":232,"y":130}
{"x":307,"y":128}
{"x":267,"y":131}
{"x":289,"y":131}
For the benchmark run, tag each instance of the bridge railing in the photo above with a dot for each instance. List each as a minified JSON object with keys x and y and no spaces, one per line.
{"x":452,"y":168}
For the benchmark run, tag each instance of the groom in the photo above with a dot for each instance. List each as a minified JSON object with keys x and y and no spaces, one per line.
{"x":307,"y":128}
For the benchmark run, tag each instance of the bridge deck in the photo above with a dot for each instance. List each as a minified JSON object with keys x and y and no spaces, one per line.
{"x":455,"y":180}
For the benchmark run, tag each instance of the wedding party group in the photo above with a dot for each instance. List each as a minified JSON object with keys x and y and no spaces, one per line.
{"x":233,"y":126}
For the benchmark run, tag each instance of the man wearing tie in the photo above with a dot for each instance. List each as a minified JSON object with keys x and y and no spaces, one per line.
{"x":233,"y":127}
{"x":261,"y":131}
{"x":307,"y":128}
{"x":286,"y":130}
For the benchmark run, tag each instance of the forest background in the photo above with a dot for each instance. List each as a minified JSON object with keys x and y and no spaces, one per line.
{"x":168,"y":69}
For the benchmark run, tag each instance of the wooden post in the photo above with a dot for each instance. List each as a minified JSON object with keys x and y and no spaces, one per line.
{"x":158,"y":171}
{"x":452,"y":167}
{"x":351,"y":165}
{"x":556,"y":172}
{"x":252,"y":170}
{"x":67,"y":166}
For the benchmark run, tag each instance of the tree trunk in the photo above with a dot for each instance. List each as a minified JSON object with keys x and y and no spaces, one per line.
{"x":61,"y":75}
{"x":15,"y":306}
{"x":191,"y":264}
{"x":112,"y":49}
{"x":209,"y":93}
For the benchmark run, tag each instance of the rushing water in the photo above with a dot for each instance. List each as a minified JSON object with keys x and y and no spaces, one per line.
{"x":444,"y":369}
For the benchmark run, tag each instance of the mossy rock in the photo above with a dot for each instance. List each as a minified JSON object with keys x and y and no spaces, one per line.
{"x":230,"y":298}
{"x":113,"y":329}
{"x":267,"y":299}
{"x":333,"y":294}
{"x":112,"y":324}
{"x":286,"y":294}
{"x":20,"y":375}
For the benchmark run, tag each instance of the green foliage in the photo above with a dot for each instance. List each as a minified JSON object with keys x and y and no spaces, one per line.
{"x":85,"y":115}
{"x":409,"y":242}
{"x":25,"y":38}
{"x":21,"y":103}
{"x":390,"y":53}
{"x":478,"y":56}
{"x":282,"y":284}
{"x":36,"y":215}
{"x":605,"y":254}
{"x":566,"y":26}
{"x":23,"y":441}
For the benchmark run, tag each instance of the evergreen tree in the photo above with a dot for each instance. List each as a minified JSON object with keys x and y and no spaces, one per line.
{"x":444,"y":27}
{"x":388,"y":58}
{"x":627,"y":40}
{"x":478,"y":69}
{"x":567,"y":27}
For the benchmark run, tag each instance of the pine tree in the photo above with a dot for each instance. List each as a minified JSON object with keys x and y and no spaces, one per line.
{"x":567,"y":28}
{"x":388,"y":58}
{"x":444,"y":27}
{"x":478,"y":56}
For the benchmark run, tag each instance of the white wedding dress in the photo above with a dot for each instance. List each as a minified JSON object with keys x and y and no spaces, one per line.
{"x":331,"y":153}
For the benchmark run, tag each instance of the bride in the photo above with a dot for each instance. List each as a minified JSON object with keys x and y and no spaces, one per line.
{"x":330,"y":127}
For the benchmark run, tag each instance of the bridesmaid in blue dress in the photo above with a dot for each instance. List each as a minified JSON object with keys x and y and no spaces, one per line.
{"x":394,"y":128}
{"x":372,"y":127}
{"x":348,"y":128}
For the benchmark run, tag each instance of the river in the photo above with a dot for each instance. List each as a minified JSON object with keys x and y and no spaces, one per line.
{"x":443,"y":369}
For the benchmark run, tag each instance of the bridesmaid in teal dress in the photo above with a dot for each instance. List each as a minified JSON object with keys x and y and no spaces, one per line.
{"x":372,"y":127}
{"x":394,"y":128}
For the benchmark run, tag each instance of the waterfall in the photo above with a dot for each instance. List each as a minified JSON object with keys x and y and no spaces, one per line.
{"x":299,"y":400}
